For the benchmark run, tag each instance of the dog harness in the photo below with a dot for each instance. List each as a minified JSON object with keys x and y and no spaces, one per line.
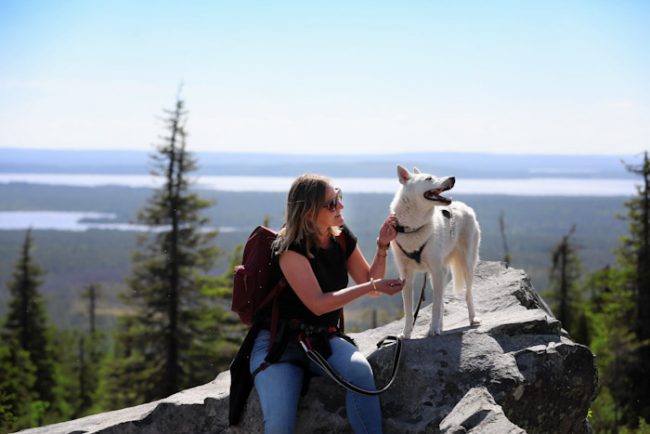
{"x":416,"y":255}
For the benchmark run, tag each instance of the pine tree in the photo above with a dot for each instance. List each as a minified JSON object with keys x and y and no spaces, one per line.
{"x":507,"y":258}
{"x":90,"y":352}
{"x":611,"y":313}
{"x":564,"y":294}
{"x":67,"y":345}
{"x":17,"y":377}
{"x":156,"y":342}
{"x":635,"y":255}
{"x":27,"y":324}
{"x":92,"y":293}
{"x":636,"y":249}
{"x":619,"y":321}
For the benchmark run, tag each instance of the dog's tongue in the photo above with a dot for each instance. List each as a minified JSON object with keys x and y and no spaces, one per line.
{"x":434,"y":195}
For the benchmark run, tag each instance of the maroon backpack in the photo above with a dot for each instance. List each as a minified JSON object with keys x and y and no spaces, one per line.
{"x":252,"y":288}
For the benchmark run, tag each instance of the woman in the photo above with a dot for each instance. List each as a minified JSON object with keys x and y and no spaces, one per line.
{"x":316,"y":252}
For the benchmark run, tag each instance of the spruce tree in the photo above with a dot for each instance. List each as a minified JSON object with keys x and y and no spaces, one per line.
{"x":507,"y":258}
{"x":611,"y":319}
{"x":91,"y":350}
{"x":564,"y":294}
{"x":156,"y":341}
{"x":636,"y":248}
{"x":17,"y":377}
{"x":26,"y":324}
{"x":635,"y":256}
{"x":619,"y":321}
{"x":92,"y":293}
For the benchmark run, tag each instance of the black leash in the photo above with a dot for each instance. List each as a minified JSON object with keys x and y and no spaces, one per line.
{"x":317,"y":358}
{"x":417,"y":309}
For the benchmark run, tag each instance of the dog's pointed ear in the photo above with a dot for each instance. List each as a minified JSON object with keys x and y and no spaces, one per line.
{"x":402,"y":174}
{"x":416,"y":170}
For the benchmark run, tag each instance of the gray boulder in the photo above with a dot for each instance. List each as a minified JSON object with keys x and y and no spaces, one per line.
{"x":517,"y":372}
{"x":478,"y":413}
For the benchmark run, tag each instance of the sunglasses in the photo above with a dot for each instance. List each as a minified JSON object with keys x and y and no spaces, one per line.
{"x":334,"y":203}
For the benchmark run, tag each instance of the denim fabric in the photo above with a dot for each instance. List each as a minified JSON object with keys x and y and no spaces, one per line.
{"x":279,"y":385}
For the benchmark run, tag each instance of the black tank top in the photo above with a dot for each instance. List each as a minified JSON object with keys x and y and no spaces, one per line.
{"x":330,"y":268}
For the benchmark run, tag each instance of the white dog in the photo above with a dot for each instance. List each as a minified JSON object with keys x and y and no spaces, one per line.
{"x":433,"y":234}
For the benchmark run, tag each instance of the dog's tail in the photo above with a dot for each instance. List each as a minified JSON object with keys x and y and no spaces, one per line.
{"x":458,"y":271}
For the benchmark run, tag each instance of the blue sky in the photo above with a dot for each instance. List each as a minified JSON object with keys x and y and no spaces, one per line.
{"x":329,"y":76}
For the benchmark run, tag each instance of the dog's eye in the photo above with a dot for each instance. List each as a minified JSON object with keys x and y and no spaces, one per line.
{"x":428,"y":178}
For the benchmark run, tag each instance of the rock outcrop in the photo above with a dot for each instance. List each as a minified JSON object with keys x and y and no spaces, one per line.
{"x":517,"y":372}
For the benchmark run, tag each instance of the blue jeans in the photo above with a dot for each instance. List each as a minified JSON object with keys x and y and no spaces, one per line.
{"x":279,"y":385}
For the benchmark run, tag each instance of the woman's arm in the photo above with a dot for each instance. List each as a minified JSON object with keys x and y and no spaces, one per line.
{"x":359,"y":268}
{"x":298,"y":272}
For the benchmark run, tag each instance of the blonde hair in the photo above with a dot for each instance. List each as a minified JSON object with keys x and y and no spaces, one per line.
{"x":305,"y":199}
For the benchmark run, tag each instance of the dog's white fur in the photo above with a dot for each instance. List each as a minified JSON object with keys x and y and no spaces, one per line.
{"x":449,"y":233}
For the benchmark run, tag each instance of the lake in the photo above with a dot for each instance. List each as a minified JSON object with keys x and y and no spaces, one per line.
{"x":519,"y":187}
{"x":70,"y":221}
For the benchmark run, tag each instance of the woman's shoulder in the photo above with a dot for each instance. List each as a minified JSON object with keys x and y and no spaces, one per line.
{"x":350,"y":240}
{"x":298,"y":248}
{"x":345,"y":229}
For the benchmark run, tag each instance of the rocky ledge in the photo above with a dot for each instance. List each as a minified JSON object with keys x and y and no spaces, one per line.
{"x":517,"y":372}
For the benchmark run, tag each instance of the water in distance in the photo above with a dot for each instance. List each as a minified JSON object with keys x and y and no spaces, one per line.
{"x":540,"y":186}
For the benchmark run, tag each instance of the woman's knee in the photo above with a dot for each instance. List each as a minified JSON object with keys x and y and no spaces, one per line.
{"x":359,"y":369}
{"x":350,"y":362}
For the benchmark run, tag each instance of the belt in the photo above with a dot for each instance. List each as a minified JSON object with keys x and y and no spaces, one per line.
{"x":310,"y":330}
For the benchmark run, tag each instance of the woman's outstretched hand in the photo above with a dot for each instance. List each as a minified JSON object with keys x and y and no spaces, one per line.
{"x":386,"y":286}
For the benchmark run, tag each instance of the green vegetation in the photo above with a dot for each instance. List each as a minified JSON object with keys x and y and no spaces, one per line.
{"x":33,"y":395}
{"x":612,"y":309}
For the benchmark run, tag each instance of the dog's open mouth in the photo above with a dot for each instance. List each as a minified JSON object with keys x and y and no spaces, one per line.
{"x":435,"y":193}
{"x":435,"y":196}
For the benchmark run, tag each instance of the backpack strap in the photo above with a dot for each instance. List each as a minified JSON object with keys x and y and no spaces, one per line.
{"x":342,"y":242}
{"x":340,"y":239}
{"x":275,"y":312}
{"x":272,"y":296}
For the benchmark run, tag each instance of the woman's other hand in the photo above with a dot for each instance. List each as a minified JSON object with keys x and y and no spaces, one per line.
{"x":387,"y":232}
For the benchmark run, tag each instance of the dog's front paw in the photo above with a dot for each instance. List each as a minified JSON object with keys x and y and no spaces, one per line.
{"x":406,"y":333}
{"x":435,"y":332}
{"x":475,"y":322}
